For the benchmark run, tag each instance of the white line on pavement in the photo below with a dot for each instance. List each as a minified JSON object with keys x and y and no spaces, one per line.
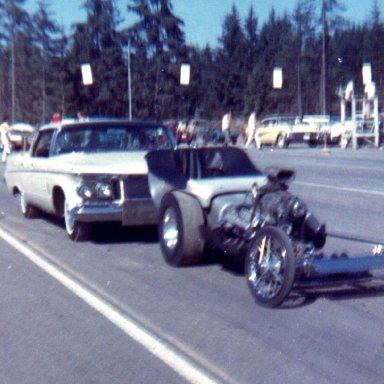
{"x":168,"y":355}
{"x":345,"y":189}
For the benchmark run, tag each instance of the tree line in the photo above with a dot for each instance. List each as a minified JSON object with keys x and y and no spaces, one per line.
{"x":137,"y":68}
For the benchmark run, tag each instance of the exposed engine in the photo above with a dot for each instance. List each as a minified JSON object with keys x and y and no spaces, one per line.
{"x":273,"y":205}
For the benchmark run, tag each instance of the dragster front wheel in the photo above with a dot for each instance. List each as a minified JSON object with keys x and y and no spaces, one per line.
{"x":270,"y":266}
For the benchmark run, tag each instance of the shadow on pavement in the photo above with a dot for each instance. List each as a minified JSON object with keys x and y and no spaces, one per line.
{"x":104,"y":233}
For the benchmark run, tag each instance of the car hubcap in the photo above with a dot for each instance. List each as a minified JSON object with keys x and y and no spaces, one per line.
{"x":23,"y":205}
{"x":69,"y":219}
{"x":266,"y":267}
{"x":170,"y":230}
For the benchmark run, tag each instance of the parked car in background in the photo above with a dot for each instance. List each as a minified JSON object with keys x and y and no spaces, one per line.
{"x":20,"y":135}
{"x":338,"y":132}
{"x":283,"y":130}
{"x":87,"y":172}
{"x":215,"y":136}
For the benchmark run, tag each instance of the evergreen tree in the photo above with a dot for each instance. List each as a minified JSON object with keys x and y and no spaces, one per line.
{"x":252,"y":55}
{"x":204,"y":88}
{"x":232,"y":63}
{"x":236,"y":75}
{"x":159,"y":31}
{"x":98,"y":43}
{"x":80,"y":97}
{"x":305,"y":27}
{"x":329,"y":20}
{"x":374,"y":47}
{"x":14,"y":27}
{"x":46,"y":36}
{"x":276,"y":40}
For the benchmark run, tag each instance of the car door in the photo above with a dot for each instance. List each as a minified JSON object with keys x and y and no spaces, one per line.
{"x":267,"y":132}
{"x":36,"y":190}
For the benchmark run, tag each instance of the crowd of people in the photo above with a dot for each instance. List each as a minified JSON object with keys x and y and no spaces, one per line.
{"x":185,"y":130}
{"x":250,"y":131}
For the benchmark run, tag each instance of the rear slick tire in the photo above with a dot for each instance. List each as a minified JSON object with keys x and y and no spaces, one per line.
{"x":180,"y":221}
{"x":270,"y":266}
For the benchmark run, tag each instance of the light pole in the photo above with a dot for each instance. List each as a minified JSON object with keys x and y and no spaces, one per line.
{"x":323,"y":59}
{"x":129,"y":82}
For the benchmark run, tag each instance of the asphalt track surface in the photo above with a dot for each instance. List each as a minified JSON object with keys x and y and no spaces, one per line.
{"x":111,"y":311}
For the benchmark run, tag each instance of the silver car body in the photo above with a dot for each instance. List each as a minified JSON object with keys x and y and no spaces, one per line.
{"x":217,"y":177}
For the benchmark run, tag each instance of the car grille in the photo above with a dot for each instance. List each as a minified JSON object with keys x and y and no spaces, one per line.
{"x":136,"y":187}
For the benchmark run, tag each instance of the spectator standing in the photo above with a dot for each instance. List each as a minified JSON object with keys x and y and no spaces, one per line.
{"x":191,"y":132}
{"x":226,"y":127}
{"x":5,"y":140}
{"x":252,"y":131}
{"x":57,"y":117}
{"x":181,"y":132}
{"x":81,"y":116}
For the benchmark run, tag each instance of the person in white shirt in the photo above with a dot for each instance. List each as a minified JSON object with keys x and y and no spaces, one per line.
{"x":252,"y":131}
{"x":5,"y":141}
{"x":226,"y":126}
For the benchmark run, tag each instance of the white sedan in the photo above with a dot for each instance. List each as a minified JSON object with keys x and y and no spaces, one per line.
{"x":88,"y":172}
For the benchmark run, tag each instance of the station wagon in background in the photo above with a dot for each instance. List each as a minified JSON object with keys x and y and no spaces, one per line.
{"x":283,"y":130}
{"x":20,"y":135}
{"x":88,"y":172}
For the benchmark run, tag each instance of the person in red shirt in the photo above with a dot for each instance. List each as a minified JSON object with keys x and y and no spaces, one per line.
{"x":56,"y":118}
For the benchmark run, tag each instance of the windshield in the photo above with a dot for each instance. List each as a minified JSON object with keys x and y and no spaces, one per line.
{"x":109,"y":138}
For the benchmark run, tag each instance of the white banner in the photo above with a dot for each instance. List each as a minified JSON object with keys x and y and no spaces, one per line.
{"x":277,"y":77}
{"x":86,"y":71}
{"x":367,"y":73}
{"x":185,"y":74}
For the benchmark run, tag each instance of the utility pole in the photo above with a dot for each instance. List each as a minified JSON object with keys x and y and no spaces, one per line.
{"x":323,"y":61}
{"x":13,"y":80}
{"x":129,"y":82}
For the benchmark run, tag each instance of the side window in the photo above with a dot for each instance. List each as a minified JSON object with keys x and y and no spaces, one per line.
{"x":42,"y":144}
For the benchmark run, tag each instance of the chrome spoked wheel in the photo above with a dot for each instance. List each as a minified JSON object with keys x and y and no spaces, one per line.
{"x":270,"y":266}
{"x":170,"y":231}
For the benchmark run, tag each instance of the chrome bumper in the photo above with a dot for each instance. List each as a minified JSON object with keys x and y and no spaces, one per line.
{"x":302,"y":136}
{"x":131,"y":212}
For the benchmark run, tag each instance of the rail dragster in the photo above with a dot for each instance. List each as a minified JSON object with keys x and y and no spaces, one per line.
{"x":217,"y":197}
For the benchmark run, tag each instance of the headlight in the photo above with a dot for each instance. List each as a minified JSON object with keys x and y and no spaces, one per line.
{"x":103,"y":190}
{"x":97,"y":190}
{"x":298,"y":208}
{"x":85,"y":191}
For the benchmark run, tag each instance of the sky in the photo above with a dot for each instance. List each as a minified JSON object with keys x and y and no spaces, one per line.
{"x":203,"y":19}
